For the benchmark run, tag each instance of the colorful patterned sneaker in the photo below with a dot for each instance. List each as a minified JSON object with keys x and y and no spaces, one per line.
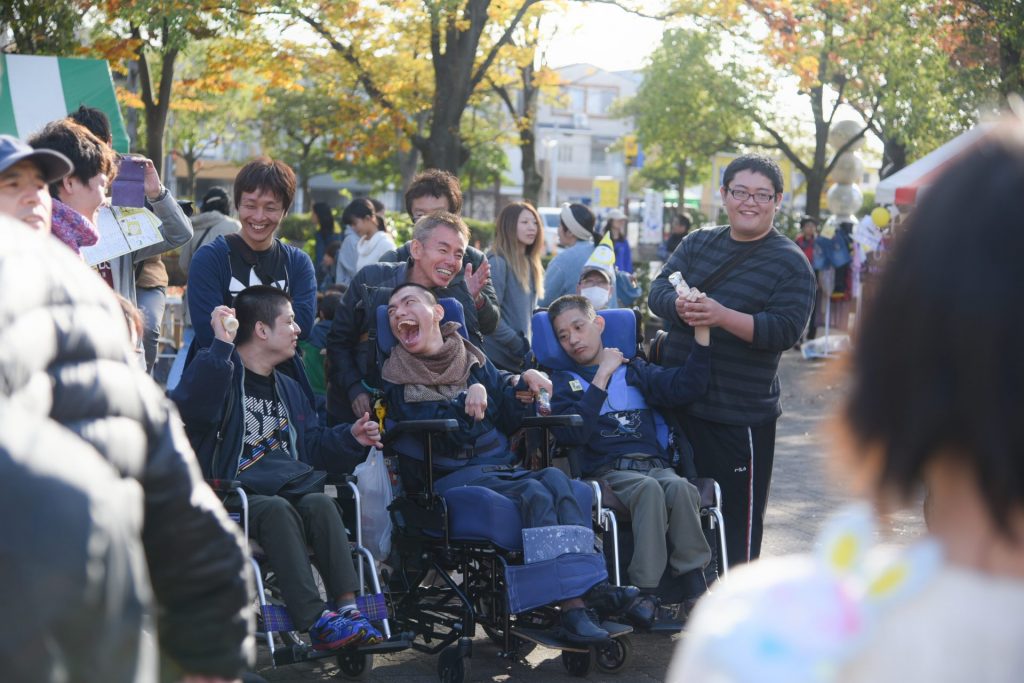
{"x":333,"y":631}
{"x":371,"y":636}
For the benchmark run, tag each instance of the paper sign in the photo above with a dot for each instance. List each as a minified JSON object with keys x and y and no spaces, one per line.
{"x":128,"y":185}
{"x":867,"y":234}
{"x":122,"y":230}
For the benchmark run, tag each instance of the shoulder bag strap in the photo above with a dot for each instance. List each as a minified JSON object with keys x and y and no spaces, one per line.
{"x":719,"y":274}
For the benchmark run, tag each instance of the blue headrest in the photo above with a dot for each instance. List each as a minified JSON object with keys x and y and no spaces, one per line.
{"x":452,"y":311}
{"x":619,"y":333}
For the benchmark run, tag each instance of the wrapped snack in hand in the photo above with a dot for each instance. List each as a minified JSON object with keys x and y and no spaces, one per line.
{"x":677,"y":281}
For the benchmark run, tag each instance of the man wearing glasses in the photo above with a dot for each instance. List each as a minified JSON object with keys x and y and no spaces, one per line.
{"x":760,"y":291}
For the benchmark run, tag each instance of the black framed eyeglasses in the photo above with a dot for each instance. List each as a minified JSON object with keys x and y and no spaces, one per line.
{"x":759,"y":197}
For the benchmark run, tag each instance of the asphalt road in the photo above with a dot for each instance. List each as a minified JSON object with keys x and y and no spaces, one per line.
{"x":804,"y":492}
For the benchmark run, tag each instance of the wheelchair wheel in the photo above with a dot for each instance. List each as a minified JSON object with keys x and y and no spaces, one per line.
{"x":452,"y":667}
{"x":578,"y":663}
{"x":355,"y":666}
{"x":611,"y":657}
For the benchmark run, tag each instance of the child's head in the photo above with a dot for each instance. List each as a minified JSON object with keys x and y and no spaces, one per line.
{"x":577,"y":327}
{"x":327,"y":304}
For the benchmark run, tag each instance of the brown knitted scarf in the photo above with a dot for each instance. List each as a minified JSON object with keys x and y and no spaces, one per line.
{"x":434,"y":378}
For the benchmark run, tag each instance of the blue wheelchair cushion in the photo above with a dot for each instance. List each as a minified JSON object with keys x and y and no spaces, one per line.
{"x":476,"y":513}
{"x":619,"y":333}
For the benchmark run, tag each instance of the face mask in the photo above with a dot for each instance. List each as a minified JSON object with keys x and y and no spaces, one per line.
{"x":597,"y":295}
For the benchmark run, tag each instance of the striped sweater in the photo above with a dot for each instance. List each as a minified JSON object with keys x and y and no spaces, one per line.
{"x":775,"y":284}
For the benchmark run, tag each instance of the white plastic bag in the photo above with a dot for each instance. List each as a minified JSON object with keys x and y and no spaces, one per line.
{"x":375,"y":495}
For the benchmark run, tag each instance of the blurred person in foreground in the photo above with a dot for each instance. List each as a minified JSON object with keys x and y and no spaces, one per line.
{"x":109,"y":532}
{"x":935,"y":404}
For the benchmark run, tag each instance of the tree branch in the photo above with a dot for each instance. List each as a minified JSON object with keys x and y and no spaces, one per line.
{"x":632,"y":10}
{"x":145,"y":81}
{"x":502,"y":93}
{"x":349,"y":55}
{"x":784,"y":147}
{"x":506,"y":37}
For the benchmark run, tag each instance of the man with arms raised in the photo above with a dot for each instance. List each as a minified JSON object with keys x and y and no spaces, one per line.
{"x":438,"y":246}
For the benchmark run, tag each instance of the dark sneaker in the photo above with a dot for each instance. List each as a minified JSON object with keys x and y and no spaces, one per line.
{"x":578,"y":627}
{"x":642,"y":611}
{"x":333,"y":631}
{"x":371,"y":636}
{"x":609,"y":600}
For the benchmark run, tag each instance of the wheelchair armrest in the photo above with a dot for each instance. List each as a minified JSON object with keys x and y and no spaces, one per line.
{"x":224,"y":485}
{"x":548,"y":421}
{"x":339,"y":479}
{"x":408,"y":426}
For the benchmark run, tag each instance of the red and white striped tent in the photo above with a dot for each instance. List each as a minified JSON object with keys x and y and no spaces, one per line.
{"x":904,"y":187}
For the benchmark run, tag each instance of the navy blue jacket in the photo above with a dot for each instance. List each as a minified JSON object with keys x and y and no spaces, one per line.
{"x":504,"y":414}
{"x":604,"y":436}
{"x":210,"y":398}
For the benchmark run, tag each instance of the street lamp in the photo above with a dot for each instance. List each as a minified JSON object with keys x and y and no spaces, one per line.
{"x":552,"y":145}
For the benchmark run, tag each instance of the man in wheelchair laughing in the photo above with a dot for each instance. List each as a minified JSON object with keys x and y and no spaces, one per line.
{"x":435,"y":373}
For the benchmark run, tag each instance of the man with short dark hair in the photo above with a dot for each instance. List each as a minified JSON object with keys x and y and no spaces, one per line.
{"x":760,"y":290}
{"x":251,"y":423}
{"x":437,"y":250}
{"x":264,"y":189}
{"x":626,"y":442}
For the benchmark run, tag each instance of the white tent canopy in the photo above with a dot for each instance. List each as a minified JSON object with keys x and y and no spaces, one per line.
{"x":904,"y":186}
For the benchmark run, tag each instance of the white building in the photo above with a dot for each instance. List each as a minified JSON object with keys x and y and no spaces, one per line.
{"x":574,"y":131}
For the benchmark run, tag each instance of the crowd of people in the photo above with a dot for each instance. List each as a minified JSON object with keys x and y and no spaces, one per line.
{"x":284,"y":381}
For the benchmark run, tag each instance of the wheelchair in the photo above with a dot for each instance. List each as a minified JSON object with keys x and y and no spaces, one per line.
{"x":273,"y":624}
{"x":622,"y":331}
{"x":459,"y":558}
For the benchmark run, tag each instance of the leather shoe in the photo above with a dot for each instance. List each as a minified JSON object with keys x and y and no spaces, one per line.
{"x":642,"y":611}
{"x":609,"y":600}
{"x":578,"y":627}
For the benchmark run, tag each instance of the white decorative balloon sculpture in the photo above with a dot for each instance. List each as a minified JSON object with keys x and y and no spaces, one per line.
{"x":845,"y":196}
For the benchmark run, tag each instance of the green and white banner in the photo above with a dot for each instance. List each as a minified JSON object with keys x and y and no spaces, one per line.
{"x":35,"y":90}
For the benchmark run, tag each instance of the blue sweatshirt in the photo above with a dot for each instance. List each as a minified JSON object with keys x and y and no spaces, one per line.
{"x":607,"y":433}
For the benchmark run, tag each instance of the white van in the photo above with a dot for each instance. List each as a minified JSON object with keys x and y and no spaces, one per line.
{"x":551,"y":217}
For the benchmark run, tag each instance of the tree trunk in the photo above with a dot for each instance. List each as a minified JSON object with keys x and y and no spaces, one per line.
{"x":190,"y":170}
{"x":681,"y":168}
{"x":533,"y":180}
{"x":815,"y":184}
{"x":442,"y":149}
{"x":1010,"y":75}
{"x":157,"y":104}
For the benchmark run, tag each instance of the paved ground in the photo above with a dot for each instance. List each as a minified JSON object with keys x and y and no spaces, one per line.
{"x":801,"y":496}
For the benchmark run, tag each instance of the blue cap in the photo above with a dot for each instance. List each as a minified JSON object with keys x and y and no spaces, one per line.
{"x":53,"y":164}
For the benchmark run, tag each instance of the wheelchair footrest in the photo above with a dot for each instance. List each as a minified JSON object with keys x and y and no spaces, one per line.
{"x":275,"y":617}
{"x":550,"y":637}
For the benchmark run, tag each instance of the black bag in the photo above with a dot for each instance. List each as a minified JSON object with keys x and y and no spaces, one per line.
{"x":282,"y":476}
